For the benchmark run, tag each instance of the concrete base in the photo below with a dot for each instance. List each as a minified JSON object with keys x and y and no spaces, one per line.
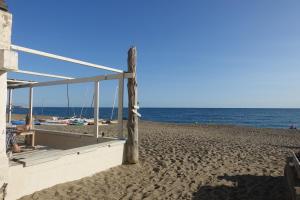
{"x":72,"y":165}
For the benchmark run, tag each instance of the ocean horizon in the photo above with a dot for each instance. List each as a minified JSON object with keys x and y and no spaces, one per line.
{"x":254,"y":117}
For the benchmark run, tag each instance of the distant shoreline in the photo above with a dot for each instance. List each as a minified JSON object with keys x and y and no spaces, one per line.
{"x":164,"y":107}
{"x":22,"y":117}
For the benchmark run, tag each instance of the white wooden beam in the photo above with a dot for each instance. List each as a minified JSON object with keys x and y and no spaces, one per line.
{"x":49,"y":55}
{"x":96,"y":109}
{"x":9,"y":105}
{"x":120,"y":108}
{"x":19,"y":81}
{"x":78,"y":80}
{"x":42,"y":74}
{"x":30,"y":106}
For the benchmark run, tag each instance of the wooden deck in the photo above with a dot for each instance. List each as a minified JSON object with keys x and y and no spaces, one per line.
{"x":38,"y":155}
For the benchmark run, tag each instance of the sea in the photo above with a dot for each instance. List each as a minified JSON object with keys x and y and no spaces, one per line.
{"x":255,"y":117}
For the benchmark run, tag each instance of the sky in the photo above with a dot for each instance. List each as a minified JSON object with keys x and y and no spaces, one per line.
{"x":191,"y":53}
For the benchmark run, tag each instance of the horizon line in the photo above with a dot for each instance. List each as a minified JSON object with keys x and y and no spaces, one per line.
{"x":168,"y":107}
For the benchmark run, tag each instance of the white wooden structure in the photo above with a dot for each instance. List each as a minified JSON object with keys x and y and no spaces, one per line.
{"x":59,"y":156}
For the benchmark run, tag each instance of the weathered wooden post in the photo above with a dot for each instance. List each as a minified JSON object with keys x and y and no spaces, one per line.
{"x":131,"y":146}
{"x":8,"y":61}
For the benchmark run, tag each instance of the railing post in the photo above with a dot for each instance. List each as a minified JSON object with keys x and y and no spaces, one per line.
{"x":120,"y":107}
{"x":131,"y":146}
{"x":96,"y":109}
{"x":9,"y":105}
{"x":30,"y":106}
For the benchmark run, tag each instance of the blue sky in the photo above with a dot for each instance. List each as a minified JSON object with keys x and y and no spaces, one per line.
{"x":190,"y":53}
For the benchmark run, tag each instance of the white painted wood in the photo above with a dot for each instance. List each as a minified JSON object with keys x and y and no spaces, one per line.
{"x":78,"y":80}
{"x":113,"y":107}
{"x":136,"y":112}
{"x":49,"y":55}
{"x":96,"y":109}
{"x":30,"y":106}
{"x":36,"y":154}
{"x":42,"y":74}
{"x":13,"y":83}
{"x":120,"y":108}
{"x":19,"y":81}
{"x":15,"y":86}
{"x":9,"y":105}
{"x":5,"y":42}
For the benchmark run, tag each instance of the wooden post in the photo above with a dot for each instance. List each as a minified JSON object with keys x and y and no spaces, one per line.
{"x":30,"y":107}
{"x":96,"y":109}
{"x":131,"y":146}
{"x":120,"y":108}
{"x":9,"y":105}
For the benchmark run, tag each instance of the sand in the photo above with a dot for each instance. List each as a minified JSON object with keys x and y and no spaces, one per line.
{"x":191,"y":162}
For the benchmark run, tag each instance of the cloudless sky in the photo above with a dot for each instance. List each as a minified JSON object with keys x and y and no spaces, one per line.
{"x":191,"y":53}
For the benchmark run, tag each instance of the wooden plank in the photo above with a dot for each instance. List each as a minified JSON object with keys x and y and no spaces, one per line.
{"x":19,"y":81}
{"x":57,"y":154}
{"x":9,"y":105}
{"x":42,"y":74}
{"x":30,"y":107}
{"x":33,"y":139}
{"x":35,"y":154}
{"x":21,"y":154}
{"x":77,"y":80}
{"x":49,"y":55}
{"x":27,"y":163}
{"x":46,"y":155}
{"x":120,"y":107}
{"x":27,"y":133}
{"x":39,"y":157}
{"x":96,"y":109}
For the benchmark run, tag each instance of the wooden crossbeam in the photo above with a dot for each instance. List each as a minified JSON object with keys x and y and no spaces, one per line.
{"x":77,"y":80}
{"x":42,"y":74}
{"x":49,"y":55}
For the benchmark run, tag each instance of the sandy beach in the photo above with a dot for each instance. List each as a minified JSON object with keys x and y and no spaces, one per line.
{"x":191,"y":162}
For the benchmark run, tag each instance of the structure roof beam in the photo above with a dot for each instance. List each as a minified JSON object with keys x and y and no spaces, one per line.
{"x":42,"y":74}
{"x":49,"y":55}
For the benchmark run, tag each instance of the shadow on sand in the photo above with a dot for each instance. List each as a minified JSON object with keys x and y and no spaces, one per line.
{"x":246,"y":187}
{"x":288,"y":147}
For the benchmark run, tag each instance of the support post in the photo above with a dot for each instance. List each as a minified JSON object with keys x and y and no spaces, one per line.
{"x":120,"y":108}
{"x":5,"y":62}
{"x":9,"y":105}
{"x":96,"y":109}
{"x":131,"y":146}
{"x":30,"y":106}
